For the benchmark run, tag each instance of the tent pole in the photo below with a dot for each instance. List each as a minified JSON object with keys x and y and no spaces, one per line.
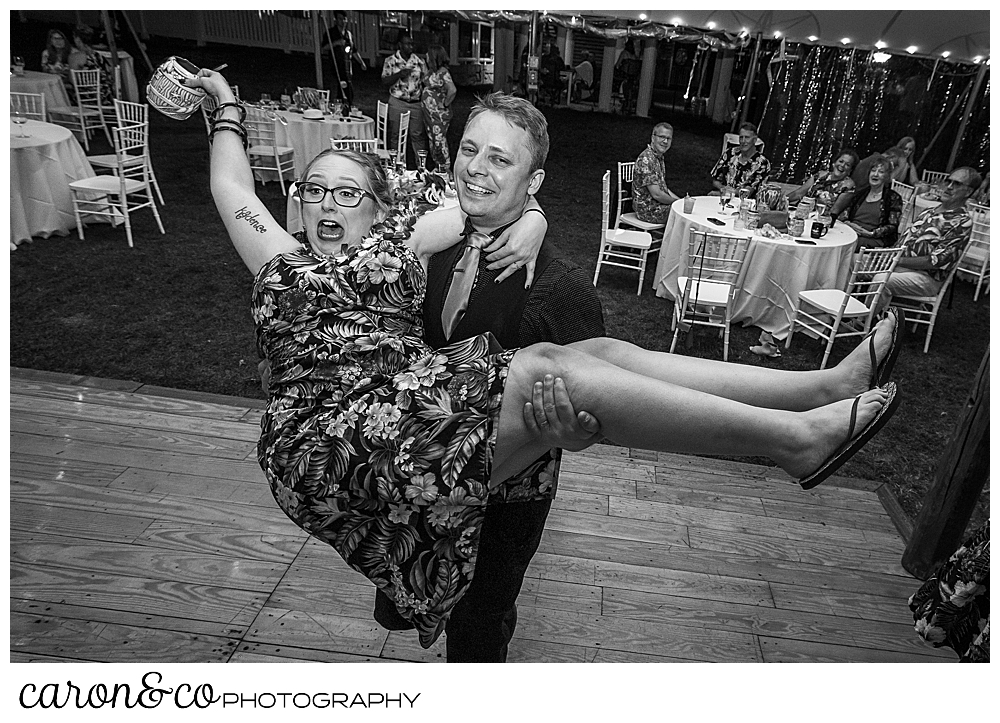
{"x":748,"y":85}
{"x":113,"y":49}
{"x":965,"y":115}
{"x":317,"y":51}
{"x":945,"y":122}
{"x":138,"y":42}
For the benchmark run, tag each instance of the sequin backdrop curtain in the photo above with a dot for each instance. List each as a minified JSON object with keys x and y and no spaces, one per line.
{"x":821,"y":99}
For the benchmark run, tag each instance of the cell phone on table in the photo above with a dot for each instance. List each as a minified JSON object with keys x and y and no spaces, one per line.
{"x":716,"y":221}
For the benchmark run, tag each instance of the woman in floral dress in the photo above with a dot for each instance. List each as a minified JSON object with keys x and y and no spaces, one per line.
{"x":389,"y":450}
{"x":438,"y":94}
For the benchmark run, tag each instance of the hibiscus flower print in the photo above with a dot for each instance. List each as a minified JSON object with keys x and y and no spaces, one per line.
{"x":382,"y":268}
{"x":422,"y":373}
{"x":422,"y":490}
{"x":381,"y":421}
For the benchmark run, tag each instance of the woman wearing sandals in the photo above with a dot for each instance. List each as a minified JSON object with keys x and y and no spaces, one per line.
{"x":388,"y":450}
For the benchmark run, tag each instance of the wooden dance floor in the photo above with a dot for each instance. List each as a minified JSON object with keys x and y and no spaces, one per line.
{"x":142,"y":531}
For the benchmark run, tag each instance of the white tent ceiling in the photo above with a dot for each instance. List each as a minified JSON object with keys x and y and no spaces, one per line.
{"x":964,"y":34}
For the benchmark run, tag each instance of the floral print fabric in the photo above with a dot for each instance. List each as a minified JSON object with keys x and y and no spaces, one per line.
{"x":650,"y":169}
{"x":731,"y":170}
{"x":372,"y":441}
{"x":952,"y":608}
{"x":408,"y":88}
{"x":437,"y":116}
{"x":940,"y":234}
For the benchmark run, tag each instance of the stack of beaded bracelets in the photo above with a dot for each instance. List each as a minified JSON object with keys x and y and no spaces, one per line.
{"x":227,"y":124}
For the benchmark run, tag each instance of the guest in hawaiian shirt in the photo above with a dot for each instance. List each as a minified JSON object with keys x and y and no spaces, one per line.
{"x":829,"y":185}
{"x":742,"y":166}
{"x":403,"y":73}
{"x":651,"y":198}
{"x":934,"y":242}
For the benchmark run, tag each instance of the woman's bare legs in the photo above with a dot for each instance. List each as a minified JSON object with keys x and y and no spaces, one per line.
{"x":651,"y":413}
{"x":758,"y":386}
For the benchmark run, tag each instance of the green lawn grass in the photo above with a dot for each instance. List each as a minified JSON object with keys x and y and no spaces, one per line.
{"x":173,"y":311}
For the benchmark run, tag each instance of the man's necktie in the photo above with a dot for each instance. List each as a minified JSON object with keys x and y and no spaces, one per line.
{"x":463,"y":279}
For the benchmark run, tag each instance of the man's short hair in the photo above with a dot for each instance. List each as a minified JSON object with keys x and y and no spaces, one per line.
{"x":749,"y":127}
{"x":975,"y":180}
{"x":340,"y":13}
{"x":518,"y":112}
{"x":663,"y":127}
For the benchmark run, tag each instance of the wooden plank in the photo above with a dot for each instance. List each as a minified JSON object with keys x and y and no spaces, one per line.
{"x":600,"y":450}
{"x":112,"y":643}
{"x":143,"y":618}
{"x":779,"y":650}
{"x":859,"y":605}
{"x":214,"y":604}
{"x":275,"y":549}
{"x":874,"y":522}
{"x":697,"y":498}
{"x":813,"y":533}
{"x":192,"y":404}
{"x":608,"y":467}
{"x":39,"y":658}
{"x":127,"y":435}
{"x":304,"y":590}
{"x":595,"y":484}
{"x":404,"y":646}
{"x":620,"y":656}
{"x":260,"y":653}
{"x":761,"y":620}
{"x":29,"y":518}
{"x":572,"y":501}
{"x":617,"y":527}
{"x":559,"y":595}
{"x":145,"y":562}
{"x":199,"y":487}
{"x":849,"y":558}
{"x":251,"y":404}
{"x":681,"y":583}
{"x":67,"y":409}
{"x":735,"y":566}
{"x":683,"y":642}
{"x":81,"y":497}
{"x":713,"y":464}
{"x":142,"y":458}
{"x":337,"y":633}
{"x":32,"y":468}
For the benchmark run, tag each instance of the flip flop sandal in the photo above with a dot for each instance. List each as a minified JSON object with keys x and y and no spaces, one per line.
{"x":880,"y":372}
{"x":853,"y":444}
{"x":768,"y":350}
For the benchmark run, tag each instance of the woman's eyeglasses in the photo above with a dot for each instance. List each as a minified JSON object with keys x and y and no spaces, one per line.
{"x":345,"y":196}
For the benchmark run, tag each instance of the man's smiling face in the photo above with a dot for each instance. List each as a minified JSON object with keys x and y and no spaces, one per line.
{"x":493,"y":172}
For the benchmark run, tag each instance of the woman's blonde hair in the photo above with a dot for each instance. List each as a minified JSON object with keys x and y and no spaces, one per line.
{"x":375,"y":174}
{"x":437,"y":57}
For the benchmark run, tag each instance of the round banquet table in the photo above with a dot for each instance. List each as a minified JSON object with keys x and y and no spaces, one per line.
{"x":41,"y":168}
{"x":310,"y":137}
{"x":47,"y":84}
{"x":775,"y":270}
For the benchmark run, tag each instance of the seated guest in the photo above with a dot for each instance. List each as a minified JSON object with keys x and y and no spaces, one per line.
{"x":55,"y":57}
{"x":860,"y":173}
{"x":828,"y":186}
{"x":651,"y":198}
{"x":742,"y":166}
{"x":874,"y":209}
{"x":584,"y":77}
{"x":83,"y":56}
{"x":905,"y":171}
{"x":934,"y":242}
{"x":982,"y":196}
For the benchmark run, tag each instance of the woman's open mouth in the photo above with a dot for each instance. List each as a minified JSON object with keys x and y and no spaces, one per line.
{"x":329,"y":231}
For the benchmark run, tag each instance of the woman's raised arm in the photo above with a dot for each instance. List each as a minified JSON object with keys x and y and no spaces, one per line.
{"x":258,"y":238}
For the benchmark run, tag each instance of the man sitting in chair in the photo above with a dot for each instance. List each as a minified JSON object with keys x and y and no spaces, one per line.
{"x":651,"y":198}
{"x":934,"y":242}
{"x":584,"y":78}
{"x":741,"y":166}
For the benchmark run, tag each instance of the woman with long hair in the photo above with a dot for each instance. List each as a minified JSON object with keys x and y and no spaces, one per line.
{"x":436,"y":98}
{"x":389,"y":450}
{"x":55,"y":56}
{"x":905,"y":170}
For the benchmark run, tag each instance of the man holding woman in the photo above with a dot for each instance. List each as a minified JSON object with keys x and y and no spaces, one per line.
{"x":390,"y":450}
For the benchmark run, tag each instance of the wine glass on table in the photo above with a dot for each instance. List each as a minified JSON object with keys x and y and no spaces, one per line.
{"x":265,"y":100}
{"x":724,"y":197}
{"x":18,"y":65}
{"x":19,"y":120}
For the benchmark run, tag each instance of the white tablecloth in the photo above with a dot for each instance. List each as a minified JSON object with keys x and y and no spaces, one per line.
{"x":130,"y":88}
{"x":41,"y":168}
{"x":310,"y":137}
{"x":48,"y":84}
{"x":774,"y":273}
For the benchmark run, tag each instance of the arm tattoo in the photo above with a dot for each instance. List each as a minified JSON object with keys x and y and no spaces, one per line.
{"x":251,"y":218}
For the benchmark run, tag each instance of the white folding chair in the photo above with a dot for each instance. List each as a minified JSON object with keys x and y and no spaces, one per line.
{"x":975,"y":261}
{"x":924,"y":309}
{"x":121,"y":193}
{"x":361,"y":145}
{"x":852,"y":310}
{"x":933,"y":178}
{"x":264,"y":152}
{"x":30,"y":105}
{"x":128,"y":114}
{"x":733,"y":139}
{"x":709,"y":288}
{"x":626,"y":172}
{"x":88,"y":113}
{"x":382,"y":125}
{"x":402,"y":137}
{"x":625,"y":248}
{"x":906,"y":191}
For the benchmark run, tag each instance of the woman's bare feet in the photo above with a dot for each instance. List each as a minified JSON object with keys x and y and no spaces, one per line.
{"x":855,"y":370}
{"x":822,"y":431}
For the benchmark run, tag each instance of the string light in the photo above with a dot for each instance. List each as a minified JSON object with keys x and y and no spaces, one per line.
{"x":845,"y":41}
{"x":945,"y":54}
{"x":676,"y":21}
{"x":642,"y":16}
{"x":912,"y":49}
{"x":881,"y":44}
{"x":880,"y":57}
{"x":813,"y":38}
{"x":777,"y":34}
{"x":711,"y":25}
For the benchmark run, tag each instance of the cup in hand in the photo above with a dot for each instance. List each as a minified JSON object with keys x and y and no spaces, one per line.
{"x":167,"y":94}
